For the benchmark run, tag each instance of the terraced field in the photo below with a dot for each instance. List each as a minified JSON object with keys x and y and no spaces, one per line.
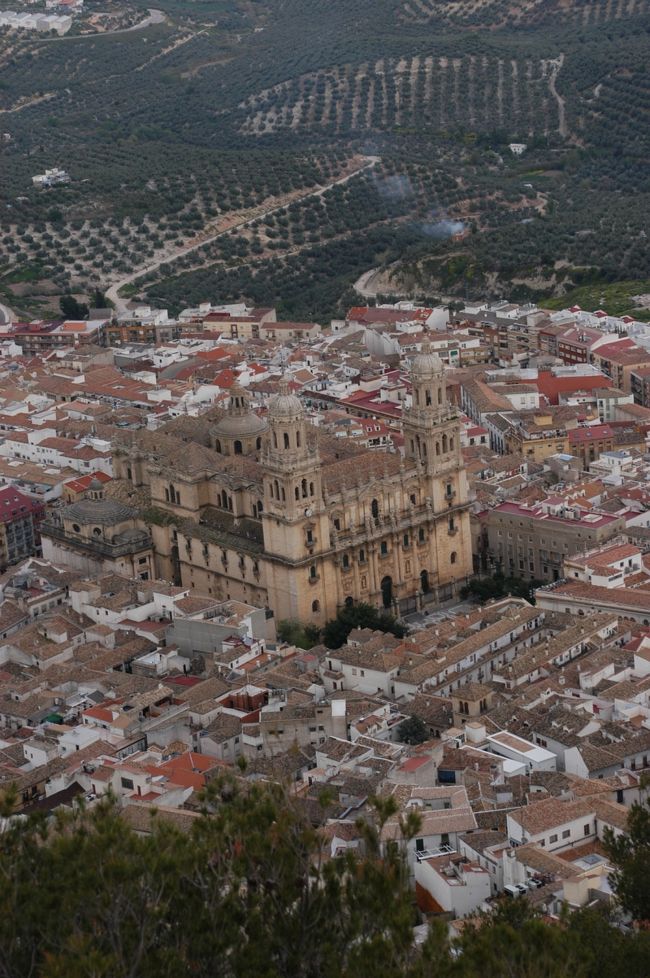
{"x":477,"y":93}
{"x":521,"y":13}
{"x":196,"y":147}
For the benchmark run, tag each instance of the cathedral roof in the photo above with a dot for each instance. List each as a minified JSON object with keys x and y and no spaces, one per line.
{"x":349,"y":472}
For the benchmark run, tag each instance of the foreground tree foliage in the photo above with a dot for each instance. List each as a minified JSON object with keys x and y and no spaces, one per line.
{"x":250,"y":891}
{"x":630,"y":854}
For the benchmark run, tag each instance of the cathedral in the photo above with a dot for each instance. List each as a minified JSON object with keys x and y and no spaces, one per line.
{"x":273,"y":512}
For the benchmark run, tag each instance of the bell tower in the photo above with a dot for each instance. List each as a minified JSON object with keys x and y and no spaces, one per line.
{"x":294,"y":519}
{"x":432,"y":432}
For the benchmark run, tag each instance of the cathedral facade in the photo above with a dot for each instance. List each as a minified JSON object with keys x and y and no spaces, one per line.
{"x":273,"y":512}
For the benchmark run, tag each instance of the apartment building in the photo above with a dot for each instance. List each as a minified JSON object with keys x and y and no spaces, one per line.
{"x":532,"y":541}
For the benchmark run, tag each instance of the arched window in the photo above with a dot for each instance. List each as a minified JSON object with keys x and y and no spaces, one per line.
{"x":451,"y":444}
{"x":424,"y":449}
{"x":387,"y":592}
{"x":412,"y":447}
{"x":286,"y":439}
{"x":312,"y":572}
{"x":284,"y":498}
{"x":277,"y":489}
{"x":258,"y":444}
{"x":218,"y":446}
{"x":237,"y":448}
{"x":260,"y":507}
{"x":437,"y":448}
{"x":349,"y":602}
{"x":374,"y":509}
{"x":311,"y":488}
{"x":417,"y":396}
{"x":304,"y":488}
{"x":298,"y":439}
{"x":172,"y":493}
{"x":315,"y":607}
{"x":424,"y":582}
{"x":297,"y":492}
{"x":440,"y":395}
{"x":129,"y":474}
{"x":428,"y":399}
{"x":97,"y":531}
{"x":445,"y":443}
{"x":275,"y":439}
{"x":453,"y":557}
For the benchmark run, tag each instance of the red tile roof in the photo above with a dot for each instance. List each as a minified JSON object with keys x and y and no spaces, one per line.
{"x":16,"y":505}
{"x":551,"y":387}
{"x":372,"y":314}
{"x":83,"y":482}
{"x":593,"y":432}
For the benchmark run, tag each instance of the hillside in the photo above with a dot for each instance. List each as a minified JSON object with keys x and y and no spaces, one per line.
{"x":205,"y":145}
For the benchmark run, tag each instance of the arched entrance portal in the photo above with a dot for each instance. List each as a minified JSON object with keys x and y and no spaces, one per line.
{"x":387,"y":592}
{"x":424,"y":582}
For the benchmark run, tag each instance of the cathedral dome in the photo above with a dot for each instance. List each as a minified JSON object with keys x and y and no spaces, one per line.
{"x":240,"y":421}
{"x":427,"y":363}
{"x":240,"y":425}
{"x":285,"y":406}
{"x":106,"y":512}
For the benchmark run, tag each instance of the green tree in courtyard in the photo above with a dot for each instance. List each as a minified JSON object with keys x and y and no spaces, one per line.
{"x":413,"y":730}
{"x":336,"y":631}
